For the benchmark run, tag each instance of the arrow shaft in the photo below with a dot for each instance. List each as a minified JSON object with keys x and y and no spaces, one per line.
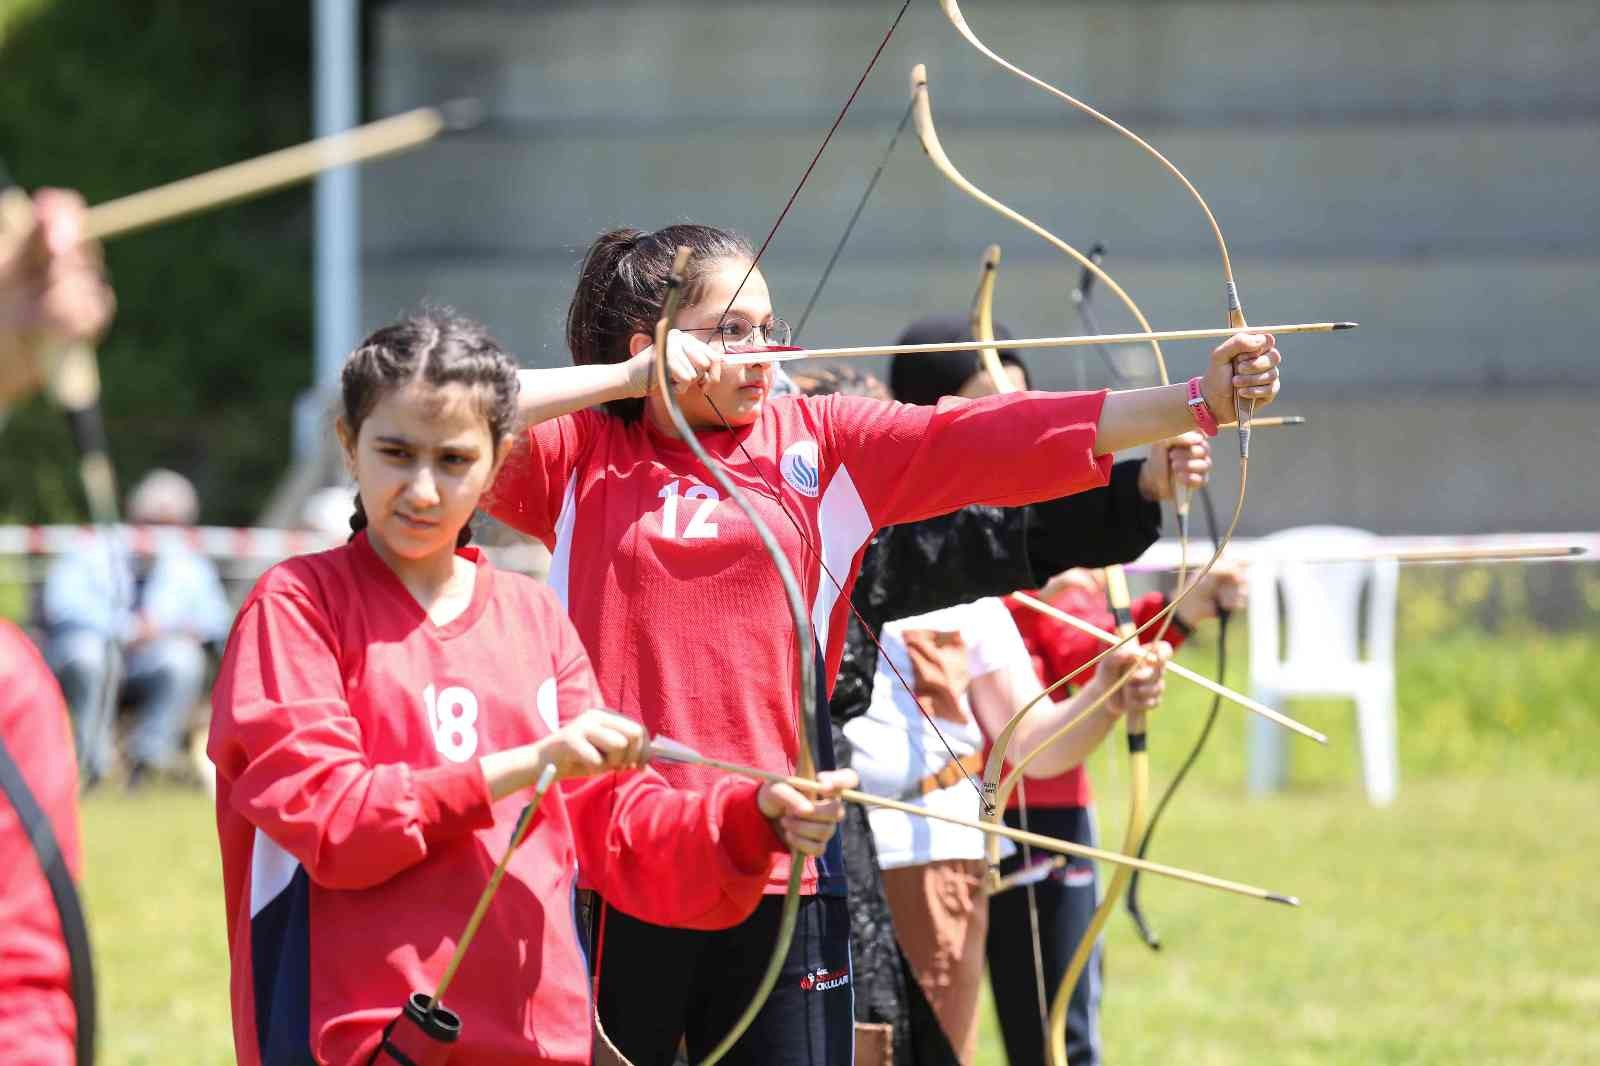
{"x":253,"y":177}
{"x":1184,"y":672}
{"x":1026,"y":343}
{"x":678,"y":753}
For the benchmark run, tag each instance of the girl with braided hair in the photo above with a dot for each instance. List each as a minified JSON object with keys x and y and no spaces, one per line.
{"x":381,"y":711}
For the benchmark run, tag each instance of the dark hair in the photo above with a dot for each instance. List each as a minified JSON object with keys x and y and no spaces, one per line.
{"x":439,"y":347}
{"x":826,"y":377}
{"x":929,"y":377}
{"x":622,"y":283}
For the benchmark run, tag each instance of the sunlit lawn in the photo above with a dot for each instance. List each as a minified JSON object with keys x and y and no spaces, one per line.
{"x":1459,"y":925}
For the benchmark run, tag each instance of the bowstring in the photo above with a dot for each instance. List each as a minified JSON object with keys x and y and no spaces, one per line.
{"x":855,"y":217}
{"x":883,"y":655}
{"x":773,"y":232}
{"x":772,"y":492}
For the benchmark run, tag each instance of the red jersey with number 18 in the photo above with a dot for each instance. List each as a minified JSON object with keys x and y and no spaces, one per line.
{"x":357,"y":828}
{"x":670,"y":588}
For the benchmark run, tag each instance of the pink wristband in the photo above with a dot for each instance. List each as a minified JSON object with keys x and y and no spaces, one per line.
{"x":1203,"y":418}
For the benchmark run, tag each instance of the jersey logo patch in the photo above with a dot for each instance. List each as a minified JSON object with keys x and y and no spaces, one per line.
{"x":799,"y":467}
{"x":545,"y":701}
{"x":823,"y":980}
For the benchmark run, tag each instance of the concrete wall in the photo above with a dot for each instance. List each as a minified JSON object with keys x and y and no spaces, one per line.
{"x":1428,"y":169}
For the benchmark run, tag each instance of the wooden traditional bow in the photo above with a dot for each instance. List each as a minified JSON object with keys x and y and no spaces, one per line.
{"x":1243,"y":413}
{"x":806,"y":722}
{"x":1235,"y":311}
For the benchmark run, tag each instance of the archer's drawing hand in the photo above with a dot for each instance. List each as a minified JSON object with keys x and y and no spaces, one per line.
{"x":690,"y":362}
{"x":592,"y":743}
{"x":1181,"y":460}
{"x":1144,"y":690}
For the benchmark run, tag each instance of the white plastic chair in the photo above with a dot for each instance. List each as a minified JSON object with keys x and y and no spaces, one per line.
{"x":1321,"y":605}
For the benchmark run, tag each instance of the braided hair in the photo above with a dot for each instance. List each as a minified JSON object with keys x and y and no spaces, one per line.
{"x":439,"y":347}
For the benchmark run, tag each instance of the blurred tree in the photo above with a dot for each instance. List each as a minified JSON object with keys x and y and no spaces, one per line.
{"x":212,"y":337}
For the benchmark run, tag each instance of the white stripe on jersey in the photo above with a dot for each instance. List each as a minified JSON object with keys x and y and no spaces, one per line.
{"x":561,"y":559}
{"x":271,"y":870}
{"x":845,"y":527}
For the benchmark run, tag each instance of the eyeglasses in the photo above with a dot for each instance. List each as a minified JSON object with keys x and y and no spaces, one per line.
{"x":736,"y":333}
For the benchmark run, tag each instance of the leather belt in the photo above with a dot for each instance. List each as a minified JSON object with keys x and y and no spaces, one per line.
{"x":951,"y":773}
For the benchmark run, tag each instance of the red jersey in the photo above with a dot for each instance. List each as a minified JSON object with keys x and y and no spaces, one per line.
{"x":1057,"y":650}
{"x":670,"y":588}
{"x":357,"y":828}
{"x":37,"y":1023}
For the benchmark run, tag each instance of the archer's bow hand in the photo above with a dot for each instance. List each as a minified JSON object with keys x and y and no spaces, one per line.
{"x":690,"y":362}
{"x":53,"y":289}
{"x":1144,"y":689}
{"x":1181,"y":460}
{"x":1223,"y":587}
{"x":1244,"y":366}
{"x":807,"y":823}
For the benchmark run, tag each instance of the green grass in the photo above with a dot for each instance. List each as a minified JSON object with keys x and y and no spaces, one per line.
{"x":1456,"y":926}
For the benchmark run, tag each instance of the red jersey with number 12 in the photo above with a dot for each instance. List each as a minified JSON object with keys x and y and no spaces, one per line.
{"x":669,"y":586}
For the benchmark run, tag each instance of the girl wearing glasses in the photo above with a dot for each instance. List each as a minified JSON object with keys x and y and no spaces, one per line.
{"x":670,"y":591}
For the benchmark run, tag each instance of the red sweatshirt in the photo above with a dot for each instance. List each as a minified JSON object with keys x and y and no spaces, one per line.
{"x":1057,"y":651}
{"x":37,"y":1024}
{"x":669,"y":586}
{"x":357,"y":828}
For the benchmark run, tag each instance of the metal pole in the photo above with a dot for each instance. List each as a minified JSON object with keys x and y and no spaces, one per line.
{"x":336,"y":269}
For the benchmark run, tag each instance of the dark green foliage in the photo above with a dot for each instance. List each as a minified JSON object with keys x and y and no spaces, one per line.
{"x":212,"y":338}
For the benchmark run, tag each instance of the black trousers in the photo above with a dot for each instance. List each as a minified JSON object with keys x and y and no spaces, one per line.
{"x":659,"y":985}
{"x":1066,"y":902}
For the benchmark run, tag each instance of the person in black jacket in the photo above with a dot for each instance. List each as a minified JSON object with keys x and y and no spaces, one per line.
{"x":911,"y":569}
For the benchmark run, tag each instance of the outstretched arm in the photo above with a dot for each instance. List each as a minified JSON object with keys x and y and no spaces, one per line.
{"x":1245,"y":365}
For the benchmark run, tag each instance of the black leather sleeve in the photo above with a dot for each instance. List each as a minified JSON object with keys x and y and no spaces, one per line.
{"x":1102,"y":527}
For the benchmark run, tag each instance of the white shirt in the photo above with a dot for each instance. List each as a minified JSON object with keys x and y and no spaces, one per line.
{"x":893,"y":746}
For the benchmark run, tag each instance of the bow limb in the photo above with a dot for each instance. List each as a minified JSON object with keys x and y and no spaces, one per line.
{"x":922,"y":114}
{"x":1138,"y":799}
{"x":806,"y":719}
{"x":981,"y":321}
{"x":1135,"y":912}
{"x":1242,"y":410}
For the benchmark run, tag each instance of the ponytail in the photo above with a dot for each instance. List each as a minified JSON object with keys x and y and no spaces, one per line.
{"x":622,"y":283}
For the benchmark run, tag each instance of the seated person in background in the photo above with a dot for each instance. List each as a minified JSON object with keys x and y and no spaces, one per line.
{"x":131,"y":629}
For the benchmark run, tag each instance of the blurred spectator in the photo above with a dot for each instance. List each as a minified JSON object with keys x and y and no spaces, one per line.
{"x":130,"y":630}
